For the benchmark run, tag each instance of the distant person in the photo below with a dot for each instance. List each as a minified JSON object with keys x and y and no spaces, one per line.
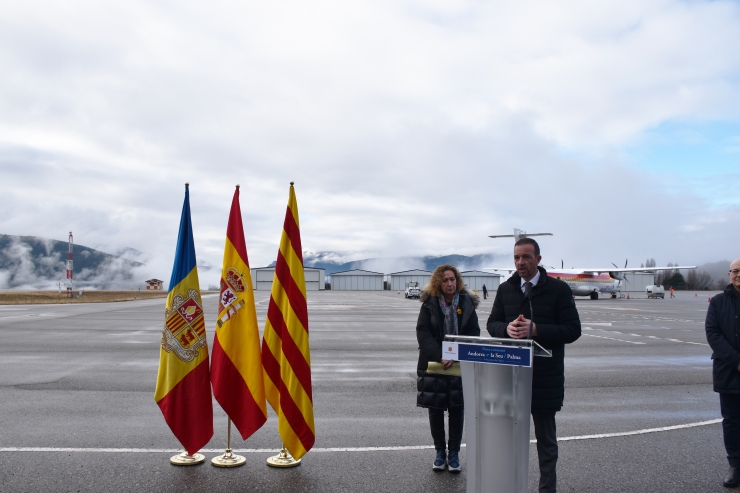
{"x":447,"y":308}
{"x":556,"y":323}
{"x":485,"y":292}
{"x":672,"y":295}
{"x":722,"y":327}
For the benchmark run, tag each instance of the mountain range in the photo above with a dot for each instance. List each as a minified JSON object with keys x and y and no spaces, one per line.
{"x":30,"y":262}
{"x":333,"y":262}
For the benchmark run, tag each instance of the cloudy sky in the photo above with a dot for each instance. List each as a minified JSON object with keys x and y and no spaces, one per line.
{"x":409,"y":127}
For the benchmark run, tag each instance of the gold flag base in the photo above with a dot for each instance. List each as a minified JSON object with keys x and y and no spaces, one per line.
{"x":229,"y":460}
{"x":184,"y":459}
{"x":283,"y":459}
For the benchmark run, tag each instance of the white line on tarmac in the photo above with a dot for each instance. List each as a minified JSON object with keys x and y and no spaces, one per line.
{"x":613,"y":339}
{"x":341,"y":449}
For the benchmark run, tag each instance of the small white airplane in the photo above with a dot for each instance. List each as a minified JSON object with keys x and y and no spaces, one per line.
{"x":587,"y":282}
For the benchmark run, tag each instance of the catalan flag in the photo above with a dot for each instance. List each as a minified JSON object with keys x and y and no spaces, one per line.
{"x":183,"y":391}
{"x":285,"y":351}
{"x":236,"y":371}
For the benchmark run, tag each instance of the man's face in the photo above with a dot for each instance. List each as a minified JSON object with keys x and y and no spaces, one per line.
{"x":735,"y":274}
{"x":526,"y":261}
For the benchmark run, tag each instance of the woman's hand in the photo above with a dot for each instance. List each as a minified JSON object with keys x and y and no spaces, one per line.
{"x":447,"y":364}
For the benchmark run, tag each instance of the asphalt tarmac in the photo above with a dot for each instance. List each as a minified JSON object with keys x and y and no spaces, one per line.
{"x":77,"y":411}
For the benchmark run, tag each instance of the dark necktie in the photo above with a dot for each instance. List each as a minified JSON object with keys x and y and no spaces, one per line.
{"x":527,"y":290}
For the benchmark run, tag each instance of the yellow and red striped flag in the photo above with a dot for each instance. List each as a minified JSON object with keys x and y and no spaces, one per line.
{"x":236,"y":371}
{"x":183,"y":391}
{"x":286,"y":354}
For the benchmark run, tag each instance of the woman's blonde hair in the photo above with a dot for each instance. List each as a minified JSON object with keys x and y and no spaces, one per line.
{"x":435,"y":281}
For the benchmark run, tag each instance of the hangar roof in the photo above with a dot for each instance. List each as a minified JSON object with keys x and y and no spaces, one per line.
{"x":480,"y":273}
{"x":357,"y":272}
{"x":414,"y":272}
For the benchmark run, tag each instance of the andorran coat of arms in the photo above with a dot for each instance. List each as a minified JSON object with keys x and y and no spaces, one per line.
{"x":184,"y":326}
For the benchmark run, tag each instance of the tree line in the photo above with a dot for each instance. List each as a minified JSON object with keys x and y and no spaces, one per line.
{"x":694,"y":281}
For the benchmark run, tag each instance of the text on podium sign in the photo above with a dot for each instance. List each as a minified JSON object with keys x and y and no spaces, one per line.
{"x":483,"y":353}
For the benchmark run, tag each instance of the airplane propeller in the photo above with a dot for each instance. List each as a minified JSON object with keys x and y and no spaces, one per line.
{"x":619,"y":275}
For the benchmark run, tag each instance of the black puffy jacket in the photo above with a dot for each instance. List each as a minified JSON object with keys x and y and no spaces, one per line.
{"x":723,"y":334}
{"x":441,"y":391}
{"x":557,"y":323}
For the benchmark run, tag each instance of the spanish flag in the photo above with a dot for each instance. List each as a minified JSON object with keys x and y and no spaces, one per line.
{"x":183,"y":390}
{"x":236,"y":371}
{"x":285,"y":351}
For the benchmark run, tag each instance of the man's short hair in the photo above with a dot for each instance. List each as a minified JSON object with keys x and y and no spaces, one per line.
{"x":529,"y":241}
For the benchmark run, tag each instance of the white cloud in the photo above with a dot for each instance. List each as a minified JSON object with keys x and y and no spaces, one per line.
{"x":409,"y":127}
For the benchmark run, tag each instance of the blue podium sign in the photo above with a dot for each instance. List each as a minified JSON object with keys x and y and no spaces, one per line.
{"x":484,"y":353}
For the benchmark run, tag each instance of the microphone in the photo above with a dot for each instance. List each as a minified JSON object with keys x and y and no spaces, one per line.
{"x":528,"y":297}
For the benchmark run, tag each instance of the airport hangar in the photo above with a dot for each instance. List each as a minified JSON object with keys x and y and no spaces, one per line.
{"x":364,"y":280}
{"x":637,"y":282}
{"x":357,"y":280}
{"x":262,"y":278}
{"x":473,"y":279}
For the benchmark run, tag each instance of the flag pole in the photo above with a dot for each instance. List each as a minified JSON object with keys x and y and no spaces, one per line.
{"x":283,"y":459}
{"x":228,"y":459}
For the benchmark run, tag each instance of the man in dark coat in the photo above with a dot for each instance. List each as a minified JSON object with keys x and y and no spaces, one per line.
{"x":723,"y":334}
{"x":556,"y":323}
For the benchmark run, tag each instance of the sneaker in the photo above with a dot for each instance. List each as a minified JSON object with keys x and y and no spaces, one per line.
{"x":440,"y":461}
{"x":453,"y":462}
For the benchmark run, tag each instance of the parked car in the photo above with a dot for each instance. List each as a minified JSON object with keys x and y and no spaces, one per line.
{"x":412,"y":289}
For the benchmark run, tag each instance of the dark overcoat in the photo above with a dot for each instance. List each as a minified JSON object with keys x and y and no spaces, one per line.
{"x":723,"y":334}
{"x":557,"y":323}
{"x":441,"y":391}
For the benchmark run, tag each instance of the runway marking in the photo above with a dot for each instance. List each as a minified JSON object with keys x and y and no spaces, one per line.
{"x":342,"y":449}
{"x":638,"y":335}
{"x":615,"y":339}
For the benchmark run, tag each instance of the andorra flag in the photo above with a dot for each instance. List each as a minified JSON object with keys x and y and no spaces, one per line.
{"x":236,"y":371}
{"x":285,"y":351}
{"x":183,"y":390}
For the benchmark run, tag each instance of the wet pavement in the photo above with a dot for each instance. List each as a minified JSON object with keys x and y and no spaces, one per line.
{"x":82,"y":377}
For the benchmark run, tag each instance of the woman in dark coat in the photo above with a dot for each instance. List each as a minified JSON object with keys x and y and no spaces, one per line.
{"x":447,"y":308}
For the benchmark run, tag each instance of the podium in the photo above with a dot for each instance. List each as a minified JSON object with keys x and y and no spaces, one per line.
{"x":497,"y":387}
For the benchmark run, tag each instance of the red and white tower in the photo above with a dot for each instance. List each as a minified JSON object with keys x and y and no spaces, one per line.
{"x":69,"y":267}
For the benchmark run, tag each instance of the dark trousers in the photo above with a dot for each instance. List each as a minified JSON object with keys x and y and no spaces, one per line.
{"x":455,"y":423}
{"x":547,"y":448}
{"x":730,"y":407}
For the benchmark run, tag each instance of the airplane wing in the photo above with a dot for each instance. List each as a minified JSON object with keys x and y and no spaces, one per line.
{"x":639,"y":269}
{"x":523,"y":235}
{"x":648,"y":270}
